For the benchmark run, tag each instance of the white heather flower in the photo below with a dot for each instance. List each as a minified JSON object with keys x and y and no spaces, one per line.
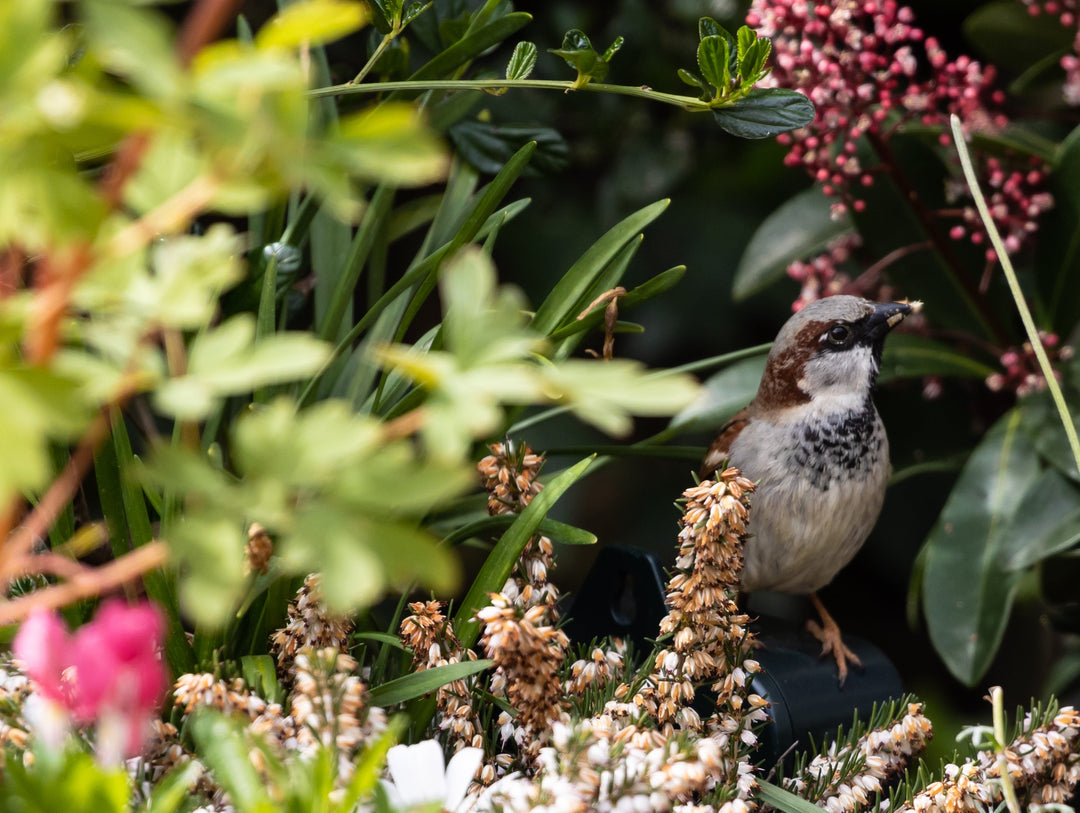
{"x":421,"y":776}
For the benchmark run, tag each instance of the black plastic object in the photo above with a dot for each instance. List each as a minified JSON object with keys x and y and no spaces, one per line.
{"x":623,"y":595}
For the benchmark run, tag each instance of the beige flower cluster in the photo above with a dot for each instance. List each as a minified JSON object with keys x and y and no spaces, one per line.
{"x":847,"y":778}
{"x":510,"y":477}
{"x":309,"y":626}
{"x":529,"y":653}
{"x":710,"y":641}
{"x":1043,"y":767}
{"x":428,"y":633}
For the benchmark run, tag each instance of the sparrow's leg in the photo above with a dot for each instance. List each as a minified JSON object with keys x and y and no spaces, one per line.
{"x":828,"y":632}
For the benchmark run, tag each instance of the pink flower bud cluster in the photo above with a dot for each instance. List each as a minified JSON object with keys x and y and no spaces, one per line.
{"x":820,"y":276}
{"x":1068,"y":12}
{"x":1016,"y":198}
{"x":869,"y":69}
{"x":108,"y":672}
{"x":1022,"y":374}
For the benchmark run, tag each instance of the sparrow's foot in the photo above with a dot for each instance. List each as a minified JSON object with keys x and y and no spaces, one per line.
{"x":828,"y":632}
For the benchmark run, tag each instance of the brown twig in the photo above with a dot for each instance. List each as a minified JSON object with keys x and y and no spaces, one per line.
{"x":19,"y":545}
{"x":404,"y":425}
{"x":91,"y":581}
{"x":203,"y":24}
{"x":611,"y":317}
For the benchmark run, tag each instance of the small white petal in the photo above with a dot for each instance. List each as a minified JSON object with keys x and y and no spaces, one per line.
{"x":459,"y":773}
{"x":419,"y":772}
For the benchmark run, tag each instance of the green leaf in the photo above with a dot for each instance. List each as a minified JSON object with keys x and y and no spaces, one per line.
{"x":175,"y":788}
{"x":908,"y":356}
{"x":606,"y":393}
{"x":577,"y":51}
{"x":472,"y":45}
{"x":389,"y":143}
{"x":500,"y":561}
{"x":1043,"y":426}
{"x":311,"y":22}
{"x":223,"y":746}
{"x":713,"y":58}
{"x":1049,"y":523}
{"x":556,"y":531}
{"x":662,"y":282}
{"x":724,"y":394}
{"x":488,"y":146}
{"x":783,"y":800}
{"x":558,"y":308}
{"x":1058,"y":249}
{"x":967,"y":594}
{"x":418,"y":684}
{"x":1007,"y":33}
{"x":136,"y":43}
{"x":227,"y":361}
{"x":522,"y":61}
{"x":765,"y":112}
{"x":802,"y":227}
{"x":260,"y":675}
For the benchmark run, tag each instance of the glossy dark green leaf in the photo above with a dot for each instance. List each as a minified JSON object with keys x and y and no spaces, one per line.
{"x":708,"y":27}
{"x":909,"y":356}
{"x":577,"y":52}
{"x":692,"y":79}
{"x":488,"y":146}
{"x":1007,"y":33}
{"x":765,"y":112}
{"x":802,"y":227}
{"x":1057,"y":267}
{"x":1043,"y":425}
{"x":1048,"y":524}
{"x":522,"y":61}
{"x":725,"y":393}
{"x":418,"y":684}
{"x":967,"y":594}
{"x":500,"y":561}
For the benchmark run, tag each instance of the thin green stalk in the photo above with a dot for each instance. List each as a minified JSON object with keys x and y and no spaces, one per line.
{"x":1014,"y":288}
{"x":386,"y":40}
{"x":721,"y":360}
{"x":639,"y":91}
{"x":997,"y":698}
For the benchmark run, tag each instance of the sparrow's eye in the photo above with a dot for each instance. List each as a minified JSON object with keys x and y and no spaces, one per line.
{"x":838,"y":334}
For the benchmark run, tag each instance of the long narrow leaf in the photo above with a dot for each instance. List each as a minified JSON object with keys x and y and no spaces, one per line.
{"x":374,"y":217}
{"x":784,"y":800}
{"x":556,"y":531}
{"x":417,"y":684}
{"x":472,"y":45}
{"x":642,"y":293}
{"x":558,"y":308}
{"x":500,"y":561}
{"x":481,"y":211}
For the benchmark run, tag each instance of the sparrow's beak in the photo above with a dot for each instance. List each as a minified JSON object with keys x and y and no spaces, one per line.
{"x":885,"y":317}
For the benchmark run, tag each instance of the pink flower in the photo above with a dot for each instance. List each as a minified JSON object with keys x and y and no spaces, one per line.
{"x":108,"y":672}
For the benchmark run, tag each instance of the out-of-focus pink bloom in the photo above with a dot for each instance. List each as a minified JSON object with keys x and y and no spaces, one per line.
{"x":41,"y":645}
{"x":108,"y":672}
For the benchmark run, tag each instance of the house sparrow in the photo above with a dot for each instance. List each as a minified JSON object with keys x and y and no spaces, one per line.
{"x":814,"y":443}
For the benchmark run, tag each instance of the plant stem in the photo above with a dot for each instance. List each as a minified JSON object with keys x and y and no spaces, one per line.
{"x":997,"y":698}
{"x":639,"y":91}
{"x":1017,"y":292}
{"x":386,"y":40}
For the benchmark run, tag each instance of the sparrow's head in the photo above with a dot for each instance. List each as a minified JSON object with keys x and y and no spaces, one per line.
{"x":829,"y":350}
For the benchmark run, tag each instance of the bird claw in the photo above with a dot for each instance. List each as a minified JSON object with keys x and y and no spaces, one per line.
{"x":833,"y":642}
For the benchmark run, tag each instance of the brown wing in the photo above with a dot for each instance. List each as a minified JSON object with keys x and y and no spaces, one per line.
{"x":721,"y":447}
